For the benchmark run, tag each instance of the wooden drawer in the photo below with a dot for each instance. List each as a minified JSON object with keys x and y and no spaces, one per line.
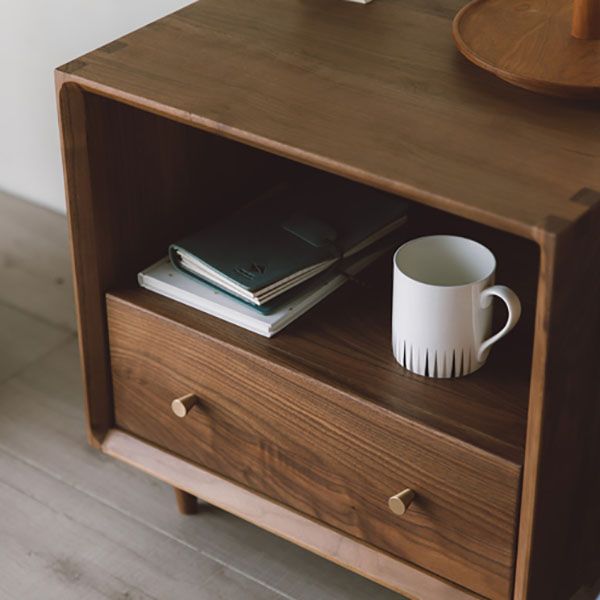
{"x":326,"y":453}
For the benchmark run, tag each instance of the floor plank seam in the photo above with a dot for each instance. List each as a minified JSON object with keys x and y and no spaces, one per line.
{"x":246,"y":575}
{"x":27,"y":365}
{"x":37,"y":317}
{"x":94,"y":497}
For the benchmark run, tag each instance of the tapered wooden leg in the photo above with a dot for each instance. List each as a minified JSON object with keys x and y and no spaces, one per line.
{"x":186,"y":503}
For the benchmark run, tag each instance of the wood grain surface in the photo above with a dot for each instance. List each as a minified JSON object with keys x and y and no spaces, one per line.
{"x":559,"y":543}
{"x":414,"y":583}
{"x":530,"y":44}
{"x":328,"y":453}
{"x":377,"y":93}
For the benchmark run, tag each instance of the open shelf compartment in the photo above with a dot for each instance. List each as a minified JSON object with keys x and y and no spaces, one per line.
{"x":345,"y":342}
{"x":183,"y":178}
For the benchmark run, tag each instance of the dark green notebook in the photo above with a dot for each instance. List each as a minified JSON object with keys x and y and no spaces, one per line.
{"x":287,"y":237}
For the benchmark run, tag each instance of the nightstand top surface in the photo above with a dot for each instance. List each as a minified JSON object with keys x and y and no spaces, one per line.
{"x":377,"y":93}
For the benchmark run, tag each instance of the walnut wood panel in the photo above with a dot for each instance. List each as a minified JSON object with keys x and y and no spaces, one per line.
{"x":134,"y":183}
{"x":325,"y":453}
{"x":559,"y":543}
{"x":85,"y":254}
{"x":376,"y":93}
{"x":361,"y":558}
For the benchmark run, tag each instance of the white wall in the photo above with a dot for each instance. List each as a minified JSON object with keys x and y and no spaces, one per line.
{"x":35,"y":37}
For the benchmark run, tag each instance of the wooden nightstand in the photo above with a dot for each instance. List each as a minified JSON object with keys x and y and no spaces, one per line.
{"x":310,"y":434}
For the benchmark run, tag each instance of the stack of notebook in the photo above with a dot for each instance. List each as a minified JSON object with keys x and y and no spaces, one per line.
{"x":267,"y":264}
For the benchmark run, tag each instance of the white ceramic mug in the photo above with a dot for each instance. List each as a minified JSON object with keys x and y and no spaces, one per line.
{"x":442,"y":305}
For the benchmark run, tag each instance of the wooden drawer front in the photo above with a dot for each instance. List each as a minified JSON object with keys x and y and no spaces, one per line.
{"x":320,"y":451}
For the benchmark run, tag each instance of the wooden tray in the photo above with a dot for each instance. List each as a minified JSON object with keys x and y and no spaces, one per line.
{"x":529,"y":43}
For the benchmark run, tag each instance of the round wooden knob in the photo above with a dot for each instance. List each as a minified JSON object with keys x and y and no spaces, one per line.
{"x":182,"y":406}
{"x":400,"y":502}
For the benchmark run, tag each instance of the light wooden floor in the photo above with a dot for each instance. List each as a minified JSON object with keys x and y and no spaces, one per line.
{"x":77,"y":525}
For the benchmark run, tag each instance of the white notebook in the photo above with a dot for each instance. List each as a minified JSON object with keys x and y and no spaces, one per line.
{"x":166,"y":280}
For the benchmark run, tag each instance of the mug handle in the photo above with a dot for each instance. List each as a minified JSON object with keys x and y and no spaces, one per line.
{"x":514,"y":312}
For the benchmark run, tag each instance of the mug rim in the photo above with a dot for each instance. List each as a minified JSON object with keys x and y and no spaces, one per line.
{"x":437,"y":285}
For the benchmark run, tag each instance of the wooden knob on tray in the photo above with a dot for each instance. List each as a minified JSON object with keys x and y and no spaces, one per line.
{"x":400,"y":502}
{"x":182,"y":406}
{"x":586,"y":19}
